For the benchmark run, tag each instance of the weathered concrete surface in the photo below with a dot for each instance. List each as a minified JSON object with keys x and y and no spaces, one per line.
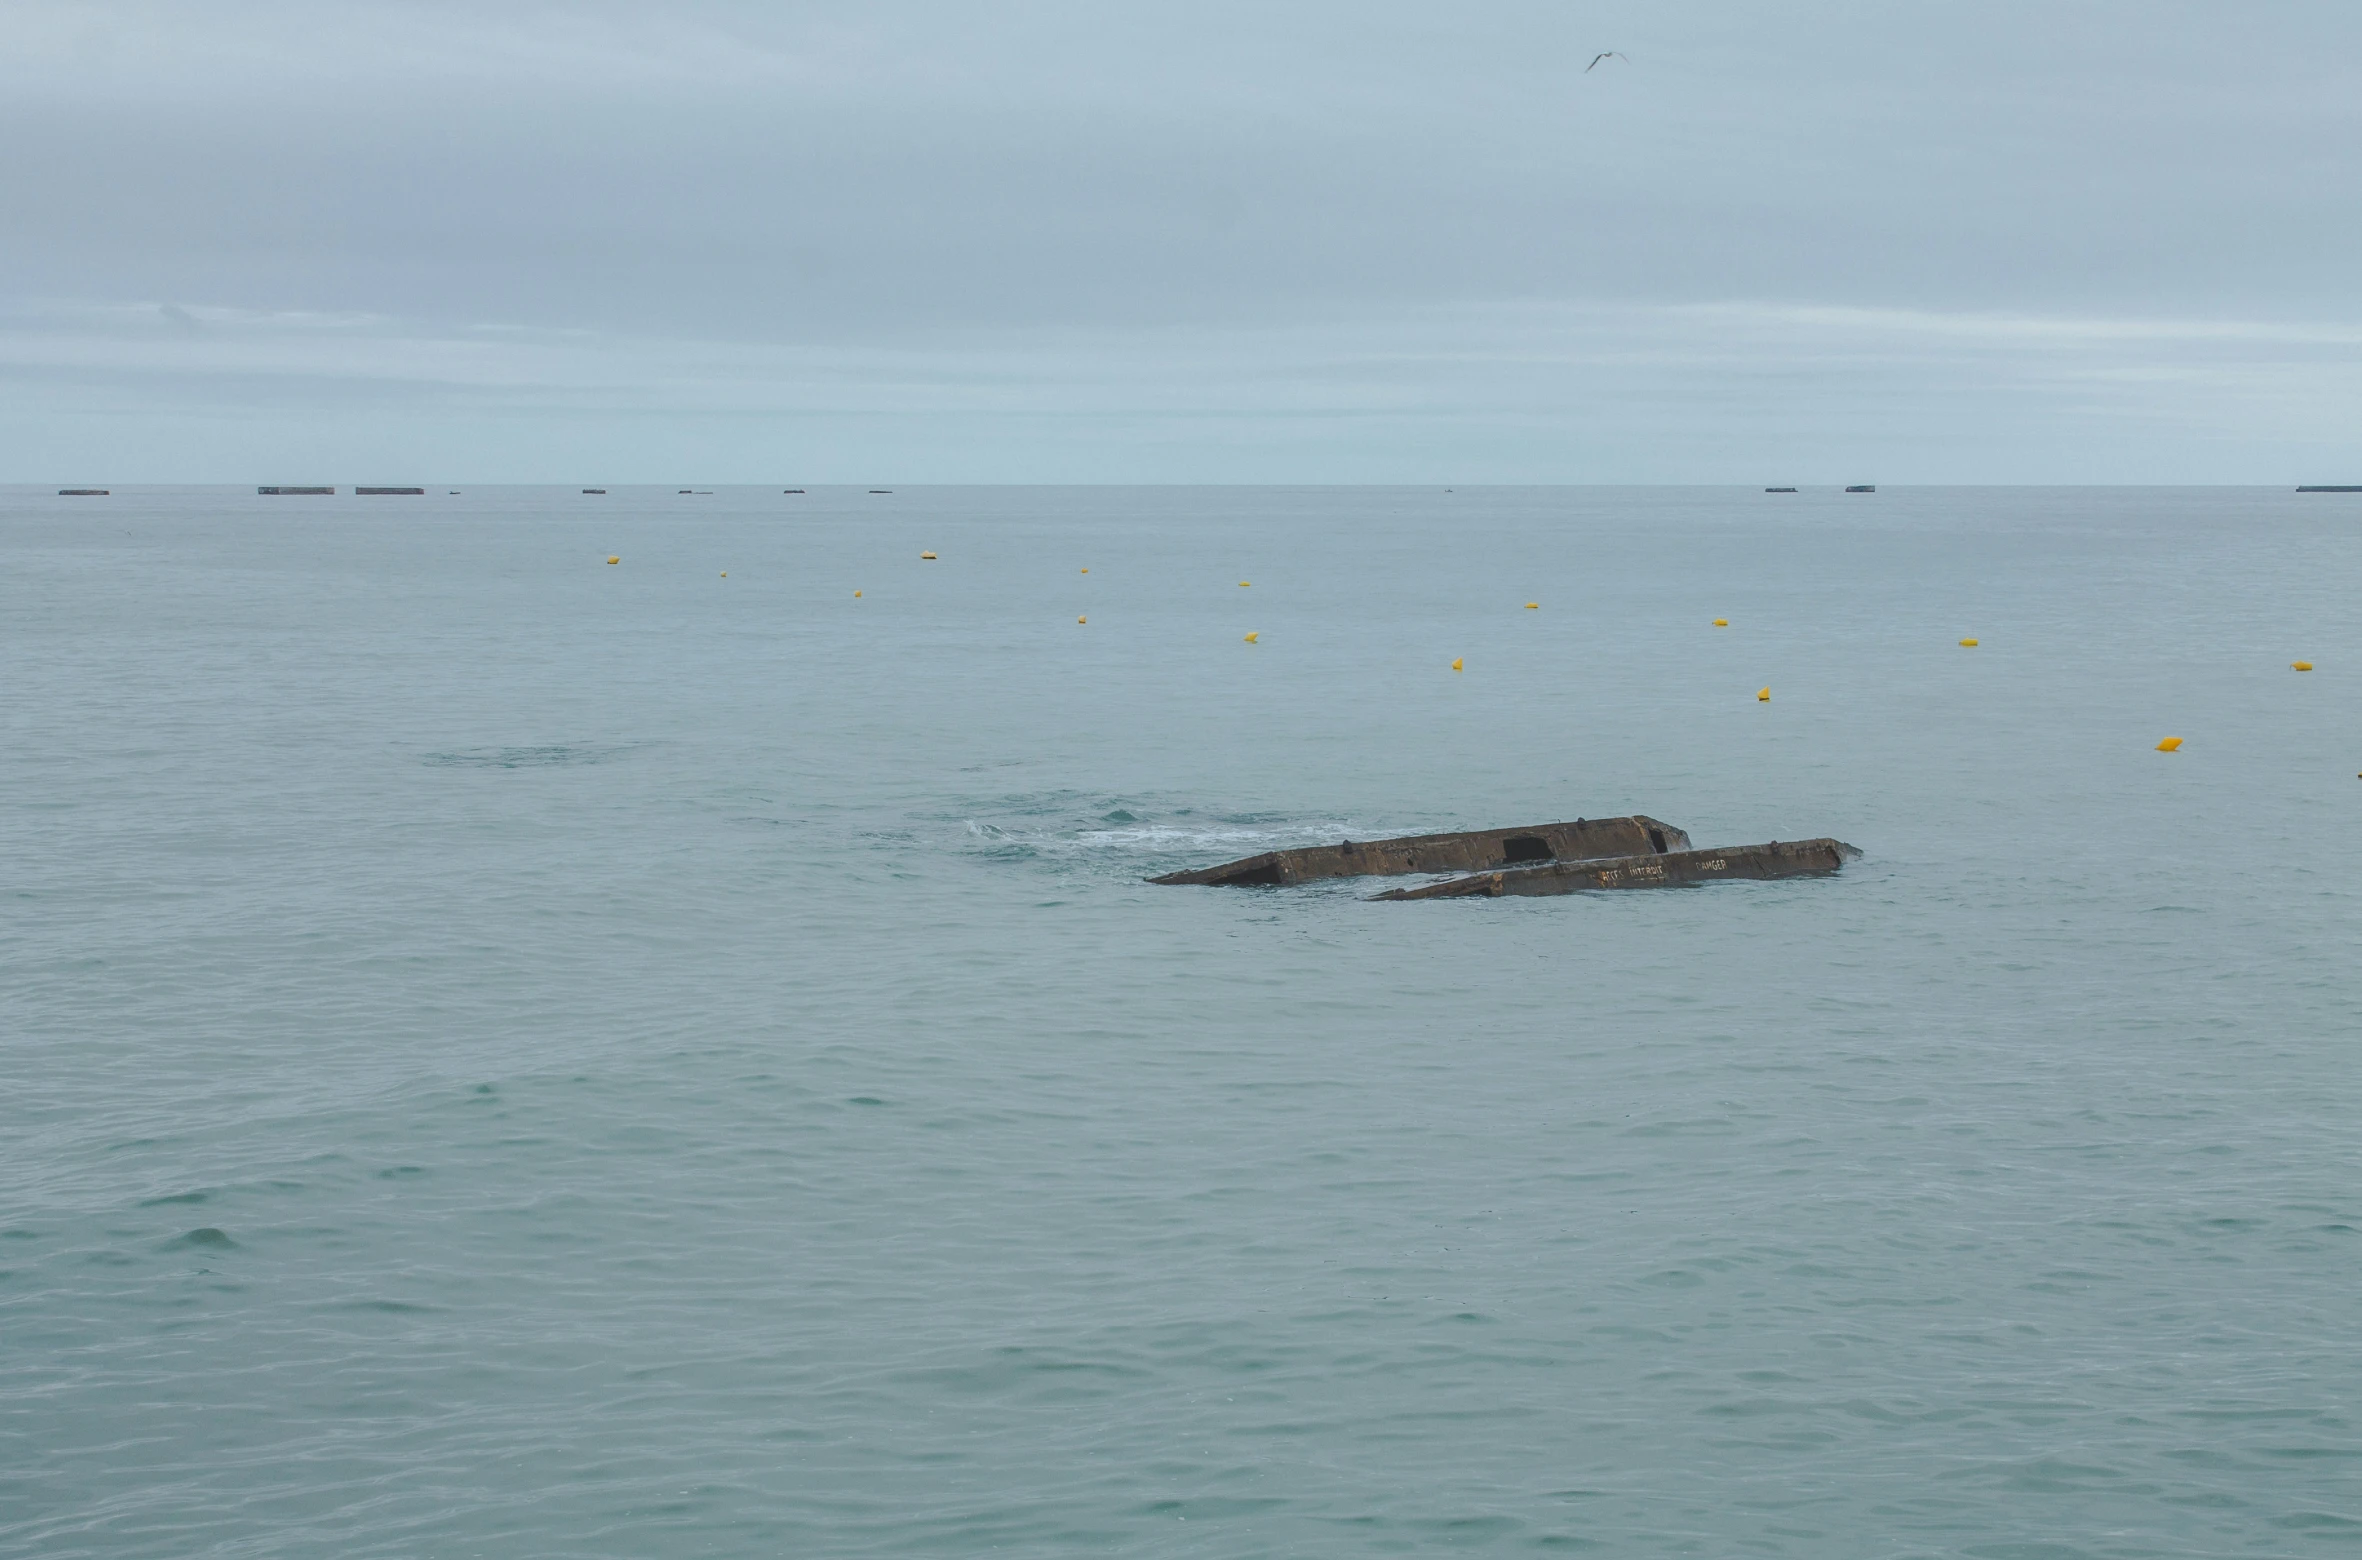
{"x":1474,"y":851}
{"x":1779,"y":859}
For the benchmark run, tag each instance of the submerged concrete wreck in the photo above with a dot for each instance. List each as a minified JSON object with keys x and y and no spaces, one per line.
{"x":1779,"y":859}
{"x":1475,"y":851}
{"x":1545,"y":858}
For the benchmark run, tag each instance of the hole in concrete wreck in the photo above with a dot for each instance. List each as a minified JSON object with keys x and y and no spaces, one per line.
{"x":1254,"y":877}
{"x":1656,"y":841}
{"x":1525,"y":847}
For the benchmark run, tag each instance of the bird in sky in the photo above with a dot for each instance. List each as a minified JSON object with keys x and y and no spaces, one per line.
{"x":1608,"y":54}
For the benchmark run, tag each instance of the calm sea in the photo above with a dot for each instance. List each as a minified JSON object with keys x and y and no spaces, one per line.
{"x":507,"y":1055}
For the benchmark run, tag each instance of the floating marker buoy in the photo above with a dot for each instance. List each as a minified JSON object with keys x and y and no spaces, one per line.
{"x":1722,"y":622}
{"x":1082,"y":620}
{"x":2170,"y":745}
{"x":1763,"y":696}
{"x":617,"y":559}
{"x":1533,"y":606}
{"x":1086,"y":571}
{"x":1251,"y":638}
{"x":725,"y":574}
{"x":1968,"y":644}
{"x":2300,"y":666}
{"x":927,"y":555}
{"x":1243,"y":585}
{"x":1455,"y":663}
{"x":856,"y":595}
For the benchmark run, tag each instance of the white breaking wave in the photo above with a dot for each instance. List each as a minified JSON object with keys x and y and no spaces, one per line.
{"x":1169,"y":839}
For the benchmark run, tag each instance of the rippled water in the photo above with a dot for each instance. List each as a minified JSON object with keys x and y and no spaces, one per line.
{"x":507,"y":1055}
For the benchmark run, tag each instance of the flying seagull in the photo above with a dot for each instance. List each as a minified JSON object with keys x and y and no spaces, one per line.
{"x":1607,"y":55}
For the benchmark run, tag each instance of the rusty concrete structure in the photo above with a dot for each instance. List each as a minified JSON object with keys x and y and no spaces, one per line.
{"x":1778,"y":859}
{"x":1475,"y":851}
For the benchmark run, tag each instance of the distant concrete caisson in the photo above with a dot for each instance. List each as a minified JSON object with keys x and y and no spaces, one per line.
{"x":1779,"y":859}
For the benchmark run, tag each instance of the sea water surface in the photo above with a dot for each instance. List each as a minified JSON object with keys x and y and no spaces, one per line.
{"x":503,"y":1054}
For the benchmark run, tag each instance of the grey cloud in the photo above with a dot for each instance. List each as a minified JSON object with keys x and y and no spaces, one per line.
{"x":999,"y":194}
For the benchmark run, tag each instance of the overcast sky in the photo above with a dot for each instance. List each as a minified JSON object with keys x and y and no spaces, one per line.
{"x":2115,"y":241}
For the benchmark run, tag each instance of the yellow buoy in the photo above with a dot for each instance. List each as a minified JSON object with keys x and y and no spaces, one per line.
{"x":1086,"y":571}
{"x":1968,"y":644}
{"x":1082,"y":620}
{"x":1243,"y":585}
{"x":1763,"y":696}
{"x":1251,"y":638}
{"x":1455,"y":663}
{"x":615,"y":560}
{"x":2170,"y":745}
{"x":725,"y":574}
{"x":2300,"y":666}
{"x":927,"y":555}
{"x":1722,"y":622}
{"x":856,"y":595}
